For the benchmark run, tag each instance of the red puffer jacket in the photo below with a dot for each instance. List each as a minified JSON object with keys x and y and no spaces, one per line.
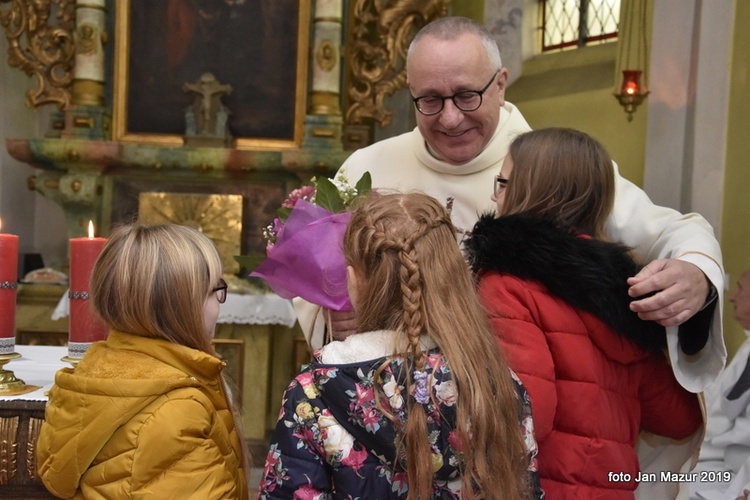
{"x":595,"y":375}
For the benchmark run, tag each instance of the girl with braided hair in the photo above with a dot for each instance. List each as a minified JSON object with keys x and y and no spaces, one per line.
{"x":420,"y":404}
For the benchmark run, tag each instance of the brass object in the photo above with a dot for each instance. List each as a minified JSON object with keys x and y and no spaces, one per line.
{"x":75,"y":186}
{"x":218,"y":216}
{"x":630,"y":102}
{"x":83,"y":121}
{"x":40,"y":48}
{"x":88,"y":93}
{"x":316,"y":132}
{"x":35,"y":426}
{"x":8,"y":381}
{"x":8,"y":448}
{"x":631,"y":65}
{"x":324,"y":103}
{"x":73,"y":361}
{"x":380,"y":36}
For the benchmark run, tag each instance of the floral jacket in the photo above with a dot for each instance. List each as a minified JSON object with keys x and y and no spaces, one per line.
{"x":332,"y":441}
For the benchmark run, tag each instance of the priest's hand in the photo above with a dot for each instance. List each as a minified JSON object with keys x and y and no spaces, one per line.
{"x":680,"y":290}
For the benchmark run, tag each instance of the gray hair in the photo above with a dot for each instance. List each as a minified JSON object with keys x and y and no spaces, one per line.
{"x":450,"y":28}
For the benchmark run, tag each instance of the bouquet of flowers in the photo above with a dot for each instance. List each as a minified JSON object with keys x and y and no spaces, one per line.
{"x":304,"y":253}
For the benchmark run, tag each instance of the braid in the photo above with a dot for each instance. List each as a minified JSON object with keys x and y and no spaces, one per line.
{"x":402,"y":249}
{"x":411,"y":290}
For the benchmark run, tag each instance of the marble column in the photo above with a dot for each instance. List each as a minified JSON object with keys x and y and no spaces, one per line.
{"x":326,"y":58}
{"x":88,"y":74}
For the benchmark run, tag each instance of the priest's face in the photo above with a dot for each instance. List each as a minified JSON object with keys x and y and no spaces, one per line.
{"x":444,"y":68}
{"x":741,"y":300}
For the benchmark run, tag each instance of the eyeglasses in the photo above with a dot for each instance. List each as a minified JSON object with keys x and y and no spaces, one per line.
{"x":221,"y":291}
{"x":466,"y":100}
{"x":500,"y":184}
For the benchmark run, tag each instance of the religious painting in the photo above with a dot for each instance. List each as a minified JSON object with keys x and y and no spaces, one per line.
{"x":256,"y":52}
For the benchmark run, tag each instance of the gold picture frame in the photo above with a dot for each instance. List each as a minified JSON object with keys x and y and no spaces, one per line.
{"x":248,"y":49}
{"x":232,"y":352}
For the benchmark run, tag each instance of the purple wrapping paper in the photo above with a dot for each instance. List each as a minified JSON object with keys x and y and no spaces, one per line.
{"x":307,"y":260}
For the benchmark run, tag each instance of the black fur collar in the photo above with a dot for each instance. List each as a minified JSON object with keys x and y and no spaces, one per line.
{"x":589,"y":274}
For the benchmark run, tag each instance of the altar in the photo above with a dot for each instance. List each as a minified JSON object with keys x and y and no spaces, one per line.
{"x":109,"y":157}
{"x":21,"y":418}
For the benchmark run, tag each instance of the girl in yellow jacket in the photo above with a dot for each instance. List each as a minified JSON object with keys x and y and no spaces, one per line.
{"x":145,"y":414}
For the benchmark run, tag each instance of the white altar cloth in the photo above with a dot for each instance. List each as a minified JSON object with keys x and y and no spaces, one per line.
{"x":36,"y":366}
{"x":243,"y":309}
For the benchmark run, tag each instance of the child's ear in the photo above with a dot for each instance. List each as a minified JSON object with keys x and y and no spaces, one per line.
{"x":352,"y":284}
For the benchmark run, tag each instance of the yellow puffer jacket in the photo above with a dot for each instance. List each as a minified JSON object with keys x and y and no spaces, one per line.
{"x":141,"y":418}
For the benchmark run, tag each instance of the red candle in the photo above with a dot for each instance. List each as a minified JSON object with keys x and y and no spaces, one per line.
{"x":8,"y":286}
{"x":84,"y":326}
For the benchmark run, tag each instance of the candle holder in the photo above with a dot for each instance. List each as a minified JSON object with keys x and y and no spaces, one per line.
{"x":72,"y":361}
{"x":8,"y":381}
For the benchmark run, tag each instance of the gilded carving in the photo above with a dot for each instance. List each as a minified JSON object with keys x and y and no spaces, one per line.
{"x":41,"y":49}
{"x":8,"y":448}
{"x":380,"y":36}
{"x":35,"y":425}
{"x":218,"y":216}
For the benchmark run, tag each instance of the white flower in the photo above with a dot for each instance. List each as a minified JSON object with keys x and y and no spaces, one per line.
{"x":446,"y":392}
{"x":392,"y":392}
{"x":335,"y":438}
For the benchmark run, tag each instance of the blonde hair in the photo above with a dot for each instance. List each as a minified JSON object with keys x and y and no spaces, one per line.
{"x":152,"y":281}
{"x":413,"y":279}
{"x":562,"y":173}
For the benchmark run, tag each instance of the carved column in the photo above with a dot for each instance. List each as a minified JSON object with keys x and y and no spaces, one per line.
{"x":323,"y":124}
{"x":326,"y":58}
{"x":88,"y":73}
{"x":87,"y":117}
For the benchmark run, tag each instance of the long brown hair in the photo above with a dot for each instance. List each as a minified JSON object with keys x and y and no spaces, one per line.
{"x":413,"y":279}
{"x":562,"y":173}
{"x":152,"y":280}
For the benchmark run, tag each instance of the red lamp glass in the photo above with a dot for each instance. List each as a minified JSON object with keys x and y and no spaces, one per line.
{"x":631,"y":93}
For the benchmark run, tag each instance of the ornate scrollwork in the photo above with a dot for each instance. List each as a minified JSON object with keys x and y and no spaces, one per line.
{"x":381,"y":33}
{"x":8,"y":448}
{"x":35,"y":426}
{"x":40,"y":49}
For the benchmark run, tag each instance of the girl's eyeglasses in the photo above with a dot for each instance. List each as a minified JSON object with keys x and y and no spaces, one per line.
{"x":500,"y":184}
{"x":221,"y":291}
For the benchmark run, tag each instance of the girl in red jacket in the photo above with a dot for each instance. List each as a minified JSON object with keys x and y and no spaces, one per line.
{"x":556,"y":293}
